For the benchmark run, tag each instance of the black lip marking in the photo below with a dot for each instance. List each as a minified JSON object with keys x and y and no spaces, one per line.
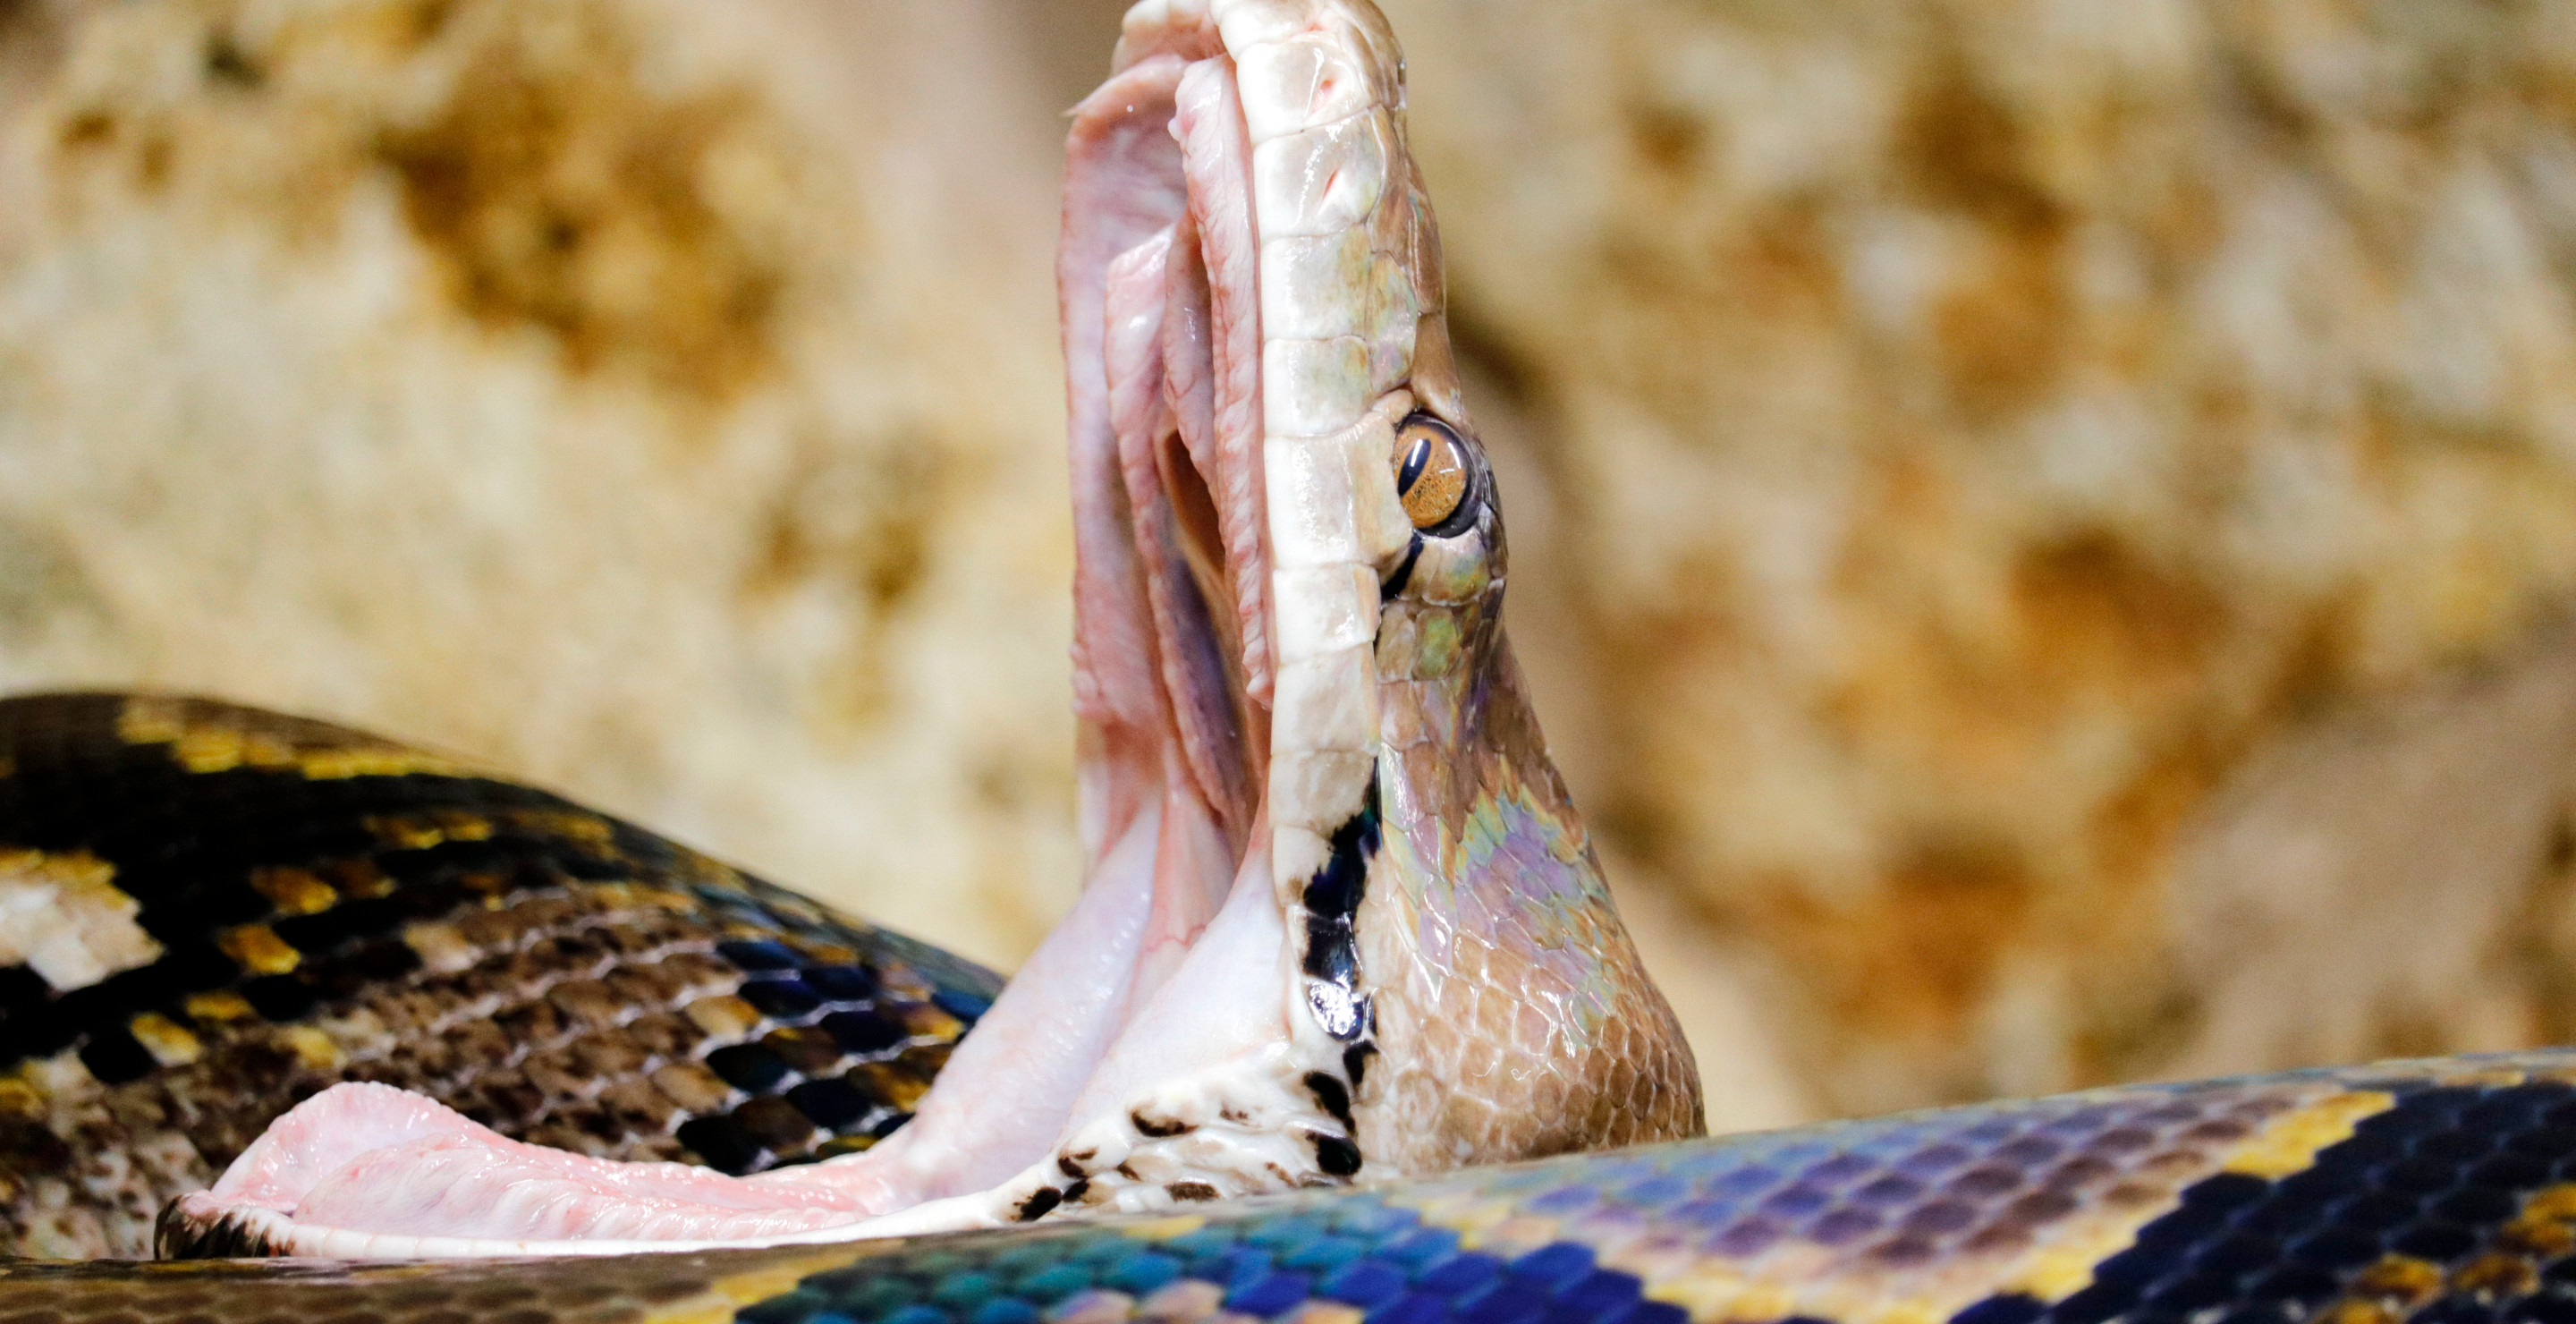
{"x":1332,"y":902}
{"x":1039,"y":1202}
{"x":1157,"y":1128}
{"x":1416,"y":458}
{"x":1394,"y":583}
{"x":1335,"y":1155}
{"x":1190,"y":1190}
{"x":1076,"y":1191}
{"x":1355,"y":1060}
{"x":1332,"y":1095}
{"x":1064,"y":1163}
{"x":174,"y":1237}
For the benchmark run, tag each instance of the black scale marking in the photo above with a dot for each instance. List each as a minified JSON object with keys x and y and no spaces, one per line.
{"x":184,"y":846}
{"x":1332,"y":965}
{"x":1332,"y":901}
{"x":2434,"y":1178}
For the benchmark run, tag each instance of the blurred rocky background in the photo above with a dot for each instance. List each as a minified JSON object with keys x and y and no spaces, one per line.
{"x":2045,"y":528}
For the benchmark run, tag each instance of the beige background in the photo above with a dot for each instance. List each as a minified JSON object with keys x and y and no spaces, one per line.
{"x":2044,"y":527}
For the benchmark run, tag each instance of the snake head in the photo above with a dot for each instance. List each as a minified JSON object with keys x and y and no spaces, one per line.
{"x":1341,"y":920}
{"x":1290,"y":658}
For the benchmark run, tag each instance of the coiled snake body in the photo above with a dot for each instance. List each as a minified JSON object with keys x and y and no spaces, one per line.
{"x":1328,"y":1037}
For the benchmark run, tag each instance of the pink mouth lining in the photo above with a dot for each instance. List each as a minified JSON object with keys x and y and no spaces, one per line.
{"x":1172,"y":677}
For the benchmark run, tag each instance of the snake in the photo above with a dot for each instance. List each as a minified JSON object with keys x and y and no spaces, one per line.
{"x":1343,"y":1027}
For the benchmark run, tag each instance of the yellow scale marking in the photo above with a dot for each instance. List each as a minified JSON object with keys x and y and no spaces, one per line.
{"x":2288,"y":1143}
{"x":169,"y":1043}
{"x":1800,"y":1279}
{"x":219,"y":1007}
{"x":2292,"y":1141}
{"x":294,"y":891}
{"x":203,"y":746}
{"x":257,"y":948}
{"x":728,"y":1293}
{"x":313,"y":1048}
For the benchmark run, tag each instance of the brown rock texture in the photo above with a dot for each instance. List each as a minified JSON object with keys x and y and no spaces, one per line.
{"x":2065,"y":505}
{"x":653,"y":398}
{"x":2044,"y":527}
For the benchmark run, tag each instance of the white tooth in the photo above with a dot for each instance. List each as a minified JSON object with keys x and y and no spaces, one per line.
{"x":1311,"y":388}
{"x":1310,"y":502}
{"x":1318,"y":180}
{"x":1301,"y":83}
{"x":1317,"y":787}
{"x":1249,"y":23}
{"x":1326,"y":702}
{"x":1325,"y":609}
{"x":1313,"y":286}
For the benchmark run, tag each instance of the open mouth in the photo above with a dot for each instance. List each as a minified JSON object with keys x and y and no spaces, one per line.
{"x":1152,"y":1049}
{"x":1162,"y":341}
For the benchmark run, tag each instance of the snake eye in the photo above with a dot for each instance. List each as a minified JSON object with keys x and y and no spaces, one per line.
{"x":1431,"y":473}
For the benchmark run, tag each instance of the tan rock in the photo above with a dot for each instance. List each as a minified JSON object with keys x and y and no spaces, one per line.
{"x":655,"y":398}
{"x":2010,"y":455}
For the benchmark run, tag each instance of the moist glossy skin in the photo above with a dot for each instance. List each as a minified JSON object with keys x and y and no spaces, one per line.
{"x":2437,"y":1191}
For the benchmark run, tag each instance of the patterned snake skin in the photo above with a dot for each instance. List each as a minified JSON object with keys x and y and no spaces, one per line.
{"x":208,"y":913}
{"x":2440,"y":1191}
{"x":216,"y":912}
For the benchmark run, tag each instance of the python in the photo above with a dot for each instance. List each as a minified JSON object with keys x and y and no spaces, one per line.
{"x":1343,"y":946}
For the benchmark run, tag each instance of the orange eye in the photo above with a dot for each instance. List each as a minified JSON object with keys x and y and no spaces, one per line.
{"x":1430,"y":470}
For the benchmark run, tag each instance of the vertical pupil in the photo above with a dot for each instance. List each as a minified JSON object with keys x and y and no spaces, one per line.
{"x":1432,"y":475}
{"x":1416,"y":458}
